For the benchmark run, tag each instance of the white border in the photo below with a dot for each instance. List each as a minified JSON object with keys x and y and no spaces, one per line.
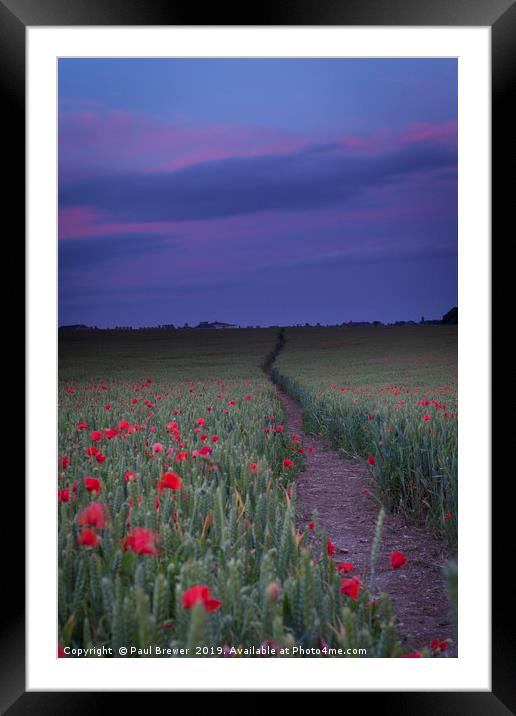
{"x":471,"y":670}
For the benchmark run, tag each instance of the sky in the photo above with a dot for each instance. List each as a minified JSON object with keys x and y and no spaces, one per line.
{"x":256,"y":191}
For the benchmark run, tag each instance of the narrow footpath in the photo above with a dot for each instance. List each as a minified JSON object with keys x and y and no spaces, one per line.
{"x":341,"y":493}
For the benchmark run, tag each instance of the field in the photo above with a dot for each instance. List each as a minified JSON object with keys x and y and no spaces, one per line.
{"x":177,"y":485}
{"x":387,"y":395}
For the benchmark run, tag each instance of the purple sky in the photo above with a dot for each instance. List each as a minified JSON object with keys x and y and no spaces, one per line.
{"x":256,"y":191}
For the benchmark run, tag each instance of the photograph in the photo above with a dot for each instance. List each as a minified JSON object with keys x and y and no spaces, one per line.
{"x":257,"y":328}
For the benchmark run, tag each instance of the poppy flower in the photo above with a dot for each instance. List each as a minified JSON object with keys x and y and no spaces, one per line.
{"x":100,"y":457}
{"x":438,"y":645}
{"x":200,"y":421}
{"x":426,"y":418}
{"x":107,"y":407}
{"x":110,"y":433}
{"x":311,"y":525}
{"x":330,"y":547}
{"x":351,"y":587}
{"x":345,"y":567}
{"x":124,"y":425}
{"x":92,"y":484}
{"x":87,"y":538}
{"x":371,"y":460}
{"x":214,"y":438}
{"x":129,"y":475}
{"x":169,"y":480}
{"x":92,"y":516}
{"x":287,"y":463}
{"x":63,"y":495}
{"x":141,"y":541}
{"x":81,"y":426}
{"x":200,"y":594}
{"x":96,"y":436}
{"x":157,"y":447}
{"x":63,"y":462}
{"x":398,"y":559}
{"x":91,"y":451}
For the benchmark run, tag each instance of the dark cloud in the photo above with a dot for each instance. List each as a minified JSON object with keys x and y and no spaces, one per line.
{"x":354,"y":257}
{"x":90,"y":251}
{"x":318,"y":177}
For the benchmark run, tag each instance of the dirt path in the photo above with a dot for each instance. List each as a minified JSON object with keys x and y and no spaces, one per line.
{"x":341,"y":492}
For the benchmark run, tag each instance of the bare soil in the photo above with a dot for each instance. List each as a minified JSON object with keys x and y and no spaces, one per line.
{"x":341,"y":492}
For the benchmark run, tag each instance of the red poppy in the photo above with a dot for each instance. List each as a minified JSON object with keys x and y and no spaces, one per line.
{"x":311,"y":525}
{"x":129,"y":475}
{"x":200,"y":593}
{"x":371,"y":460}
{"x":124,"y":425}
{"x":345,"y":567}
{"x":81,"y":426}
{"x":100,"y":457}
{"x":200,"y":421}
{"x":87,"y":537}
{"x":92,"y":484}
{"x":141,"y":541}
{"x":351,"y":587}
{"x":170,"y":481}
{"x":157,"y":447}
{"x":214,"y":438}
{"x":438,"y":645}
{"x":426,"y":417}
{"x":287,"y":463}
{"x":92,"y":516}
{"x":91,"y":451}
{"x":63,"y":495}
{"x":96,"y":435}
{"x":398,"y":559}
{"x":330,"y":547}
{"x":63,"y":462}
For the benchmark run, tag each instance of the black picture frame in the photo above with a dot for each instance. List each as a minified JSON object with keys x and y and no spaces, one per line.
{"x":500,"y":15}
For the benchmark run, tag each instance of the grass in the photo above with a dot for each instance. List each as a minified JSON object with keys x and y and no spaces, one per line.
{"x":177,"y":517}
{"x":386,"y":395}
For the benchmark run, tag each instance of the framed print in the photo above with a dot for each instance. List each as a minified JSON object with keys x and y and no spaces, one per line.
{"x":247,"y":242}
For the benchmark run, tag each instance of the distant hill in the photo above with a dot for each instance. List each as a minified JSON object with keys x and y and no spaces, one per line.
{"x":452,"y":317}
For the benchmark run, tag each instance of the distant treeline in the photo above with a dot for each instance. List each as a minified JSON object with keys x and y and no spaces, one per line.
{"x":450,"y":318}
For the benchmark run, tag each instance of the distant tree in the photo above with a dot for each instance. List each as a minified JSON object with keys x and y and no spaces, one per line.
{"x":451,"y":318}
